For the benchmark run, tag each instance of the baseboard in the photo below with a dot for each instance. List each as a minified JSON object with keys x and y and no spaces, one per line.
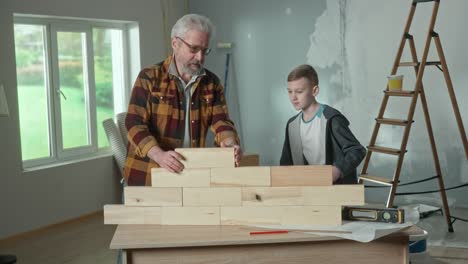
{"x":45,"y":229}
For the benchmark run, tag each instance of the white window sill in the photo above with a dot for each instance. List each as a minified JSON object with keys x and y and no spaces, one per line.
{"x":101,"y":154}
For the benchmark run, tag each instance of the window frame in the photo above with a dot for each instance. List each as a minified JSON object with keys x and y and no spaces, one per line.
{"x":53,"y":25}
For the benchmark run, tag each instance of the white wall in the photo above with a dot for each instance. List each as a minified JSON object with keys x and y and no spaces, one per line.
{"x":371,"y":40}
{"x":43,"y":197}
{"x":352,"y":44}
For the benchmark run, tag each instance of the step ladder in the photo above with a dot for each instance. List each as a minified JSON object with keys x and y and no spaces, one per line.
{"x":418,"y":91}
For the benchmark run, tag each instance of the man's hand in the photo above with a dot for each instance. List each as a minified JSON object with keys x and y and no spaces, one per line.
{"x":336,"y":174}
{"x":231,"y":143}
{"x":169,"y":160}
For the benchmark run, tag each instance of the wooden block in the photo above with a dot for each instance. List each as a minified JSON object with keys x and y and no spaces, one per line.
{"x":352,"y":194}
{"x":269,"y":196}
{"x":121,"y":215}
{"x":196,"y":158}
{"x":313,"y":195}
{"x":223,"y":196}
{"x":282,"y":215}
{"x":187,"y":178}
{"x":249,"y":160}
{"x":316,"y":175}
{"x":243,"y":176}
{"x":152,"y":196}
{"x":190,"y":215}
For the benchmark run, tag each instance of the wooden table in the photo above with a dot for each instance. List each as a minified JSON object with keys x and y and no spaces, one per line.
{"x":234,"y":244}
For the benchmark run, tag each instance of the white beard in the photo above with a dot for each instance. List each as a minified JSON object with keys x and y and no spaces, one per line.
{"x":187,"y":70}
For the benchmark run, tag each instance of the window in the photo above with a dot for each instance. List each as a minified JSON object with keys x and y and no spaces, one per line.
{"x":71,"y":77}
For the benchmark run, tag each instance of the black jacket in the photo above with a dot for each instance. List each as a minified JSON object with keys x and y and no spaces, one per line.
{"x":343,"y":150}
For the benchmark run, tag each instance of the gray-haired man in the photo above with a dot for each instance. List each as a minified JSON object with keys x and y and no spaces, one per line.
{"x":174,"y":103}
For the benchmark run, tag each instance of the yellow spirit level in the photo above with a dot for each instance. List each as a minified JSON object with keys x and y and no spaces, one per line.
{"x":383,"y":215}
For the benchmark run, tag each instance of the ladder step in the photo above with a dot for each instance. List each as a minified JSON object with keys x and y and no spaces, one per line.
{"x":385,"y":150}
{"x":433,"y":63}
{"x":392,"y":121}
{"x":422,"y":1}
{"x":412,"y":64}
{"x":399,"y":93}
{"x":376,"y":179}
{"x":408,"y":64}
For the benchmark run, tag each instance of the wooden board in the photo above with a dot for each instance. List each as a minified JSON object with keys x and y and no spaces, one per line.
{"x":190,"y":215}
{"x":150,"y":244}
{"x":316,"y":175}
{"x":196,"y":158}
{"x":172,"y":237}
{"x":391,"y":250}
{"x":121,"y":215}
{"x":248,"y":160}
{"x":242,"y":176}
{"x":281,"y":215}
{"x":152,"y":196}
{"x":187,"y":178}
{"x":223,"y":196}
{"x":313,"y":195}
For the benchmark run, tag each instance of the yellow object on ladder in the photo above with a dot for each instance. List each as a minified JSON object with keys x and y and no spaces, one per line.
{"x":418,"y":91}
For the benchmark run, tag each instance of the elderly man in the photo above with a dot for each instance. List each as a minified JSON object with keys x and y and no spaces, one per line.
{"x":173,"y":103}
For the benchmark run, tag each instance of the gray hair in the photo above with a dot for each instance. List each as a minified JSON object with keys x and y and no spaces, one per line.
{"x":192,"y":22}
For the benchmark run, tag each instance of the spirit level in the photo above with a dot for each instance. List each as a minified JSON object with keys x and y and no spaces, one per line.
{"x":384,"y":215}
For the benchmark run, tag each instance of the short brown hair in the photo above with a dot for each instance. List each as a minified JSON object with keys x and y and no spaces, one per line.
{"x":304,"y":71}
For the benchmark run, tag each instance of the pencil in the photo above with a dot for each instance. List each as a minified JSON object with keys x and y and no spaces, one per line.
{"x":269,"y":232}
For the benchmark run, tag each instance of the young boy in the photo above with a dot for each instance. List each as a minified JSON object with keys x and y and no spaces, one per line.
{"x":318,"y":134}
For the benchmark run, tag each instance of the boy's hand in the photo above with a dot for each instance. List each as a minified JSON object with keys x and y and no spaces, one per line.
{"x":170,"y":160}
{"x":230,"y":142}
{"x":336,"y":174}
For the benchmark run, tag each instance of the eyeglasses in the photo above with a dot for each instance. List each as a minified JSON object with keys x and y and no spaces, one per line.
{"x":195,"y":49}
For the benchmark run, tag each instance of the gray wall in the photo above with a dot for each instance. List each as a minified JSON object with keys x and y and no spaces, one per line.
{"x":267,"y":43}
{"x":45,"y":196}
{"x":352,"y":44}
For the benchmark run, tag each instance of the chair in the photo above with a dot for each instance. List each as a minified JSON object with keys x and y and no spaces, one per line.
{"x":117,"y":136}
{"x":121,"y":125}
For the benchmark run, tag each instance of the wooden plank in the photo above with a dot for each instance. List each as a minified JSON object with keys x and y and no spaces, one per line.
{"x":223,"y":196}
{"x":313,"y":195}
{"x":269,"y":196}
{"x":352,"y":194}
{"x":249,"y":160}
{"x":190,"y":215}
{"x":387,"y":250}
{"x":152,"y":196}
{"x":281,"y":215}
{"x":121,"y":215}
{"x":180,"y":236}
{"x":187,"y":178}
{"x":317,"y":175}
{"x":196,"y":158}
{"x":240,"y":177}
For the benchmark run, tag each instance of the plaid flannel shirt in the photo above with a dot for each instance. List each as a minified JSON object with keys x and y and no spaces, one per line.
{"x":156,"y":116}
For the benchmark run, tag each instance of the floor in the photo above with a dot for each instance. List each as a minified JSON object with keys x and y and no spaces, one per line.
{"x":443,"y":246}
{"x":87,"y":241}
{"x":81,"y":242}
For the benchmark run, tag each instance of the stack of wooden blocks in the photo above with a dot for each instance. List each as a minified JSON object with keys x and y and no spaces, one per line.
{"x":211,"y":191}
